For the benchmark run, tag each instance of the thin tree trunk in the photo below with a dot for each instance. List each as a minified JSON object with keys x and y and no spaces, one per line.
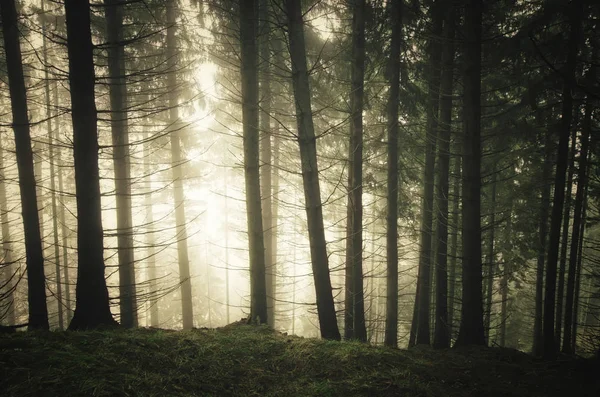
{"x":491,"y":259}
{"x":38,"y":311}
{"x":505,"y":274}
{"x":564,"y":244}
{"x":578,"y":274}
{"x":355,"y":305}
{"x":266,"y":156}
{"x":92,"y":304}
{"x":57,"y":262}
{"x":187,"y":309}
{"x":227,"y":303}
{"x":391,"y":305}
{"x":250,"y":112}
{"x":310,"y":173}
{"x":542,"y":231}
{"x":582,"y":181}
{"x":426,"y":248}
{"x":575,"y":11}
{"x":454,"y":244}
{"x":150,"y":237}
{"x":442,"y":330}
{"x":7,"y":258}
{"x":471,"y":324}
{"x":120,"y":140}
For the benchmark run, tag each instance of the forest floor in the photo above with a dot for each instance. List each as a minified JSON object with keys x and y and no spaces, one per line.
{"x":244,"y":360}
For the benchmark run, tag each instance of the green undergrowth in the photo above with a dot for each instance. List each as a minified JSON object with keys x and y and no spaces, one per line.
{"x":244,"y":360}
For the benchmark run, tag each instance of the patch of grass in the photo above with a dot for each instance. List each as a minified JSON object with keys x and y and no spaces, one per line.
{"x":246,"y":360}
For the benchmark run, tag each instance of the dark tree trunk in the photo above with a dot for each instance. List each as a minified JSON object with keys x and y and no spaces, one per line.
{"x":454,"y":243}
{"x":187,"y":309}
{"x":92,"y":304}
{"x":266,"y":157}
{"x":491,"y":259}
{"x":391,"y":305}
{"x":582,"y":180}
{"x":250,"y":110}
{"x":542,"y":237}
{"x":120,"y":140}
{"x":355,"y":305}
{"x":442,"y":330}
{"x":507,"y":259}
{"x":471,"y":324}
{"x":426,"y":249}
{"x":578,"y":274}
{"x":575,"y":11}
{"x":310,"y":173}
{"x":38,"y":311}
{"x":7,"y":258}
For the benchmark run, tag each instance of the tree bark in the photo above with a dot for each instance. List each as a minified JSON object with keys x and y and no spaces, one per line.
{"x":38,"y":311}
{"x":355,"y":304}
{"x":92,"y":305}
{"x":310,"y":173}
{"x":425,"y":252}
{"x":120,"y":140}
{"x":250,"y":116}
{"x":454,"y":243}
{"x":391,"y":305}
{"x":471,"y":325}
{"x":442,"y":330}
{"x":187,"y":309}
{"x":575,"y":11}
{"x":491,"y":259}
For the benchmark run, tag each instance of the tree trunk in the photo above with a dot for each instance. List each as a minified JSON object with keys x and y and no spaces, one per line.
{"x":187,"y":309}
{"x":120,"y":140}
{"x":442,"y":330}
{"x":582,"y":180}
{"x":266,"y":157}
{"x":564,"y":244}
{"x":92,"y":304}
{"x":310,"y":173}
{"x":505,"y":274}
{"x":578,"y":274}
{"x":355,"y":305}
{"x":57,"y":261}
{"x":575,"y":11}
{"x":491,"y":259}
{"x":38,"y":311}
{"x":7,"y":257}
{"x":454,"y":244}
{"x":543,"y":231}
{"x":425,"y":251}
{"x":391,"y":302}
{"x":471,"y":324}
{"x":150,"y":237}
{"x":250,"y":110}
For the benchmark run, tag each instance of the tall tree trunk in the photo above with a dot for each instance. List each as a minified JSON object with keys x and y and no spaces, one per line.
{"x":491,"y":259}
{"x":454,"y":243}
{"x":578,"y":274}
{"x":564,"y":242}
{"x":471,"y":324}
{"x":442,"y":330}
{"x":391,"y":305}
{"x":187,"y":309}
{"x":7,"y":257}
{"x":310,"y":173}
{"x":507,"y":259}
{"x":120,"y":140}
{"x":250,"y":110}
{"x":61,"y":210}
{"x":355,"y":305}
{"x":150,"y":237}
{"x":266,"y":156}
{"x":38,"y":311}
{"x":542,"y":237}
{"x":582,"y":181}
{"x":227,"y":304}
{"x":57,"y":262}
{"x":92,"y":304}
{"x":425,"y":251}
{"x":575,"y":11}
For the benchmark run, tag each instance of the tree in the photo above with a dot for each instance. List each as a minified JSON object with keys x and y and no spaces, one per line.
{"x":120,"y":141}
{"x":355,"y":326}
{"x":92,"y":306}
{"x":310,"y":172}
{"x":471,"y":324}
{"x":38,"y":311}
{"x":249,"y":76}
{"x":391,"y":306}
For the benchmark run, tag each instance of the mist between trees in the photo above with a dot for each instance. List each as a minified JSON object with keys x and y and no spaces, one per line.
{"x":394,"y":172}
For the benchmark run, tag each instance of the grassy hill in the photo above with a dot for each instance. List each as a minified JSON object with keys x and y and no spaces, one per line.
{"x":245,"y":360}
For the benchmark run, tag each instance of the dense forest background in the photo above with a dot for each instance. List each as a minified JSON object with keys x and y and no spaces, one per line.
{"x":394,"y":171}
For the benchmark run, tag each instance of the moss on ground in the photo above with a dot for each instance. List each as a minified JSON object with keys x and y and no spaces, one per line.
{"x":246,"y":360}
